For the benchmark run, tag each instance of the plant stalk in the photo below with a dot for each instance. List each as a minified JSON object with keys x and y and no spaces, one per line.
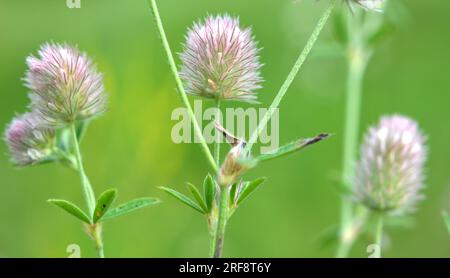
{"x":97,"y":235}
{"x":179,"y":83}
{"x":379,"y":232}
{"x":357,"y":58}
{"x":217,"y":142}
{"x":212,"y":228}
{"x":222,"y":221}
{"x":290,"y":78}
{"x":88,"y":192}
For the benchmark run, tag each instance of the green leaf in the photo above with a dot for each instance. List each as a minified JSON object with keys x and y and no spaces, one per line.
{"x":182,"y":198}
{"x":71,"y":208}
{"x":209,"y":191}
{"x":446,"y":220}
{"x":293,"y":147}
{"x":81,"y":127}
{"x":249,"y":188}
{"x":104,"y":202}
{"x":233,"y":192}
{"x":198,"y":197}
{"x":285,"y":150}
{"x":129,"y":207}
{"x":63,"y":139}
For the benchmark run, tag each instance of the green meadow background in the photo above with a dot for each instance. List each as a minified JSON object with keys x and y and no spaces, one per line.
{"x":130,"y":147}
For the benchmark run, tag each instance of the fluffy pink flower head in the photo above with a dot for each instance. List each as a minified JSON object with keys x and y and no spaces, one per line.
{"x":64,"y":84}
{"x":389,"y":175}
{"x":220,"y":60}
{"x":28,"y":141}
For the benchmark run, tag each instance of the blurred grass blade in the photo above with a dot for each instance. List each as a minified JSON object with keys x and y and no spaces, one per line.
{"x":129,"y":207}
{"x":209,"y":190}
{"x":71,"y":208}
{"x":198,"y":197}
{"x":183,"y":198}
{"x":446,"y":220}
{"x":249,"y":188}
{"x":104,"y":202}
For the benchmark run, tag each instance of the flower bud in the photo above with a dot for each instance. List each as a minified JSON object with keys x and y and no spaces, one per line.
{"x":220,"y":60}
{"x":231,"y":168}
{"x":28,"y":141}
{"x":65,"y":86}
{"x":389,"y":175}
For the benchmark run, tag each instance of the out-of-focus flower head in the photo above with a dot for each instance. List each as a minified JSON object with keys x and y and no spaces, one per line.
{"x":29,"y":142}
{"x":220,"y":60}
{"x":64,"y":85}
{"x":389,"y":174}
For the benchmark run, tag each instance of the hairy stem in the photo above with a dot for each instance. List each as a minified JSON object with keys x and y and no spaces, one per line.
{"x":292,"y":74}
{"x":179,"y":84}
{"x":222,"y":221}
{"x":217,"y":143}
{"x":87,"y":189}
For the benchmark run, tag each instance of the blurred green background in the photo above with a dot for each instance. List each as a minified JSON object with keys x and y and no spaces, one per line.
{"x":130,"y":148}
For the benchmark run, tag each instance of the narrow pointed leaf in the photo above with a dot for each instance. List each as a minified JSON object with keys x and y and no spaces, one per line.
{"x":209,"y":190}
{"x":183,"y":198}
{"x":71,"y":208}
{"x":129,"y":207}
{"x":249,"y":188}
{"x":104,"y":202}
{"x":284,"y":150}
{"x":198,"y":197}
{"x":447,"y":220}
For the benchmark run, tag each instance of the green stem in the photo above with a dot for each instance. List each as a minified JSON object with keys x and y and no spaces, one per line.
{"x":222,"y":222}
{"x":212,"y":227}
{"x":97,"y":235}
{"x":179,"y":84}
{"x":379,"y":232}
{"x":87,"y":190}
{"x":351,"y":233}
{"x":217,"y":143}
{"x":292,"y":74}
{"x":357,"y":63}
